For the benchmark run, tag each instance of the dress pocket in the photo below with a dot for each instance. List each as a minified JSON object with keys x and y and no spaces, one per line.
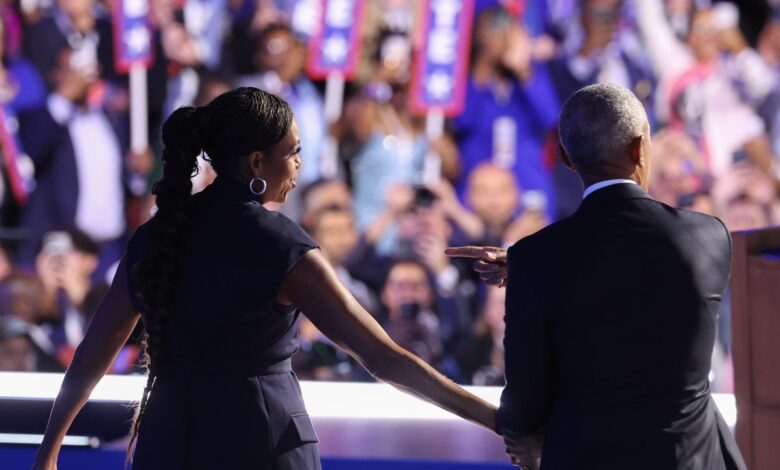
{"x":303,"y":428}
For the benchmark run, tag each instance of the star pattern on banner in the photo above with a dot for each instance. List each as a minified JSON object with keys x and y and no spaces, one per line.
{"x":439,"y":85}
{"x":138,"y":40}
{"x":336,"y":48}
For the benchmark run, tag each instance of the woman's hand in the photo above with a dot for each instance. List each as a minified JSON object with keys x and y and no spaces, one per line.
{"x":49,"y":465}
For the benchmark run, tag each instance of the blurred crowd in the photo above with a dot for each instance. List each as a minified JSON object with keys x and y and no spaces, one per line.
{"x":72,"y":190}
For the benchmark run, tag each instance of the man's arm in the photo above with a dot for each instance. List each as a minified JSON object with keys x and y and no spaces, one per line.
{"x":527,"y":397}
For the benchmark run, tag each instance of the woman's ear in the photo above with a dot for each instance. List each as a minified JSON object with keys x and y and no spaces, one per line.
{"x":256,"y":163}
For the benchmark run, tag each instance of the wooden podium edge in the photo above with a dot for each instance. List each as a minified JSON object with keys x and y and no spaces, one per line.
{"x":745,"y":245}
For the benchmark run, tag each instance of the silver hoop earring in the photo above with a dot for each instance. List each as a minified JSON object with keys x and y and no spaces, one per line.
{"x":263,"y":186}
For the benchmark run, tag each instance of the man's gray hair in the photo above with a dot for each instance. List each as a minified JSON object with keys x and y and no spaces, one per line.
{"x":597,"y":124}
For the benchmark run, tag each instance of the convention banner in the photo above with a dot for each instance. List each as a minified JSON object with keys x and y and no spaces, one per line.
{"x":9,"y":164}
{"x":442,"y":58}
{"x":335,"y":47}
{"x":132,"y":34}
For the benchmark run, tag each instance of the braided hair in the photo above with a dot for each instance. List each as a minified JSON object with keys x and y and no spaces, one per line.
{"x":227,"y":129}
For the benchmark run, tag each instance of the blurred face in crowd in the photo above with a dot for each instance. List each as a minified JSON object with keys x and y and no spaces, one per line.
{"x":744,"y":196}
{"x":54,"y":268}
{"x":5,"y":265}
{"x":281,"y":52}
{"x":394,"y":61}
{"x":493,"y":312}
{"x":703,"y":36}
{"x":601,"y":14}
{"x":25,"y":297}
{"x":336,"y":233}
{"x":744,"y":213}
{"x":324,"y":195}
{"x":407,"y":283}
{"x":424,"y":220}
{"x":491,"y":36}
{"x":678,"y":166}
{"x":678,"y":6}
{"x":17,"y":354}
{"x":73,"y":75}
{"x":60,"y":265}
{"x":80,"y":12}
{"x":330,"y":194}
{"x":210,"y":89}
{"x":493,"y":194}
{"x":279,"y":166}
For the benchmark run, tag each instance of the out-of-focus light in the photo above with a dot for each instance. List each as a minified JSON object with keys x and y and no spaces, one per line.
{"x":83,"y":441}
{"x":323,"y":399}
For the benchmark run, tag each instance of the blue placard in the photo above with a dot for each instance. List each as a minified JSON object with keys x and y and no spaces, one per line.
{"x":336,"y":46}
{"x":132,"y":34}
{"x":441,"y":63}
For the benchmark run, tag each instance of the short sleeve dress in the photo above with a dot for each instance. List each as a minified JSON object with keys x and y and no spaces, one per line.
{"x":226,"y":396}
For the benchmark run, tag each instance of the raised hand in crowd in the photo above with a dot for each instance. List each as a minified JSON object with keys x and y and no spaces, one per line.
{"x":425,"y":231}
{"x":73,"y":79}
{"x":744,"y":179}
{"x":140,"y":162}
{"x":519,"y":52}
{"x":466,"y":220}
{"x":178,"y":45}
{"x":398,"y":198}
{"x":447,"y":150}
{"x":528,"y":223}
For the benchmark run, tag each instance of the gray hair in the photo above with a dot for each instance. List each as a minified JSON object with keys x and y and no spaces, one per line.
{"x":597,"y":124}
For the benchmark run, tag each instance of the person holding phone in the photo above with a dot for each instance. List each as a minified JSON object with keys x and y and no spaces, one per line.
{"x":220,"y":282}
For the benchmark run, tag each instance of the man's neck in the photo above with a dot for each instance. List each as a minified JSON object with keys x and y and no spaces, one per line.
{"x":590,"y":179}
{"x":605,"y":184}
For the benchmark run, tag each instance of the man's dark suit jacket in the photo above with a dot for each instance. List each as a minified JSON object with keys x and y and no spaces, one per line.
{"x":610,"y":325}
{"x":54,"y":201}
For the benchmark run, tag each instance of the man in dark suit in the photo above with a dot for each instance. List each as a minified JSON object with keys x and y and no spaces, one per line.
{"x":610,"y":313}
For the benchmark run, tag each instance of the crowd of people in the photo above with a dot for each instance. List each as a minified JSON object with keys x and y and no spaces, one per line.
{"x":74,"y":191}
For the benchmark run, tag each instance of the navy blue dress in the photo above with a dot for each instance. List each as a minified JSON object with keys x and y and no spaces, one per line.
{"x":226,"y":396}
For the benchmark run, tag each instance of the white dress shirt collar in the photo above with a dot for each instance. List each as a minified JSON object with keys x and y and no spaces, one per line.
{"x":603,"y":184}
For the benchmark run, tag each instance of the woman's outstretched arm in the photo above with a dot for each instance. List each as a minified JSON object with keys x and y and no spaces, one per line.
{"x":108,"y":331}
{"x":314,"y":287}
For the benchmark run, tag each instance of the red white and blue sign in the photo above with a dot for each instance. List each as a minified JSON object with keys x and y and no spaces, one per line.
{"x":132,"y":34}
{"x":335,"y":48}
{"x":441,"y":62}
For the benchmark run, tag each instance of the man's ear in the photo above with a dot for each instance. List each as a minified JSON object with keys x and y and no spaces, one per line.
{"x":564,"y":158}
{"x":636,"y":151}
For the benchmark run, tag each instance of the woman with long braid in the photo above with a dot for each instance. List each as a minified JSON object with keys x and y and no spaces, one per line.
{"x":218,"y":281}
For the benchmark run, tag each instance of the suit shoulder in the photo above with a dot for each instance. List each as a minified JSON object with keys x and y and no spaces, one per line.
{"x":713,"y":225}
{"x":539,"y":242}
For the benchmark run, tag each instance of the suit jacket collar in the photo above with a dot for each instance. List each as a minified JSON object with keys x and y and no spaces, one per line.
{"x":613,"y":194}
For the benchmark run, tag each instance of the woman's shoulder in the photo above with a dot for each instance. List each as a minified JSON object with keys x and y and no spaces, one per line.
{"x":274,"y":240}
{"x":138,"y":240}
{"x":273,"y":223}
